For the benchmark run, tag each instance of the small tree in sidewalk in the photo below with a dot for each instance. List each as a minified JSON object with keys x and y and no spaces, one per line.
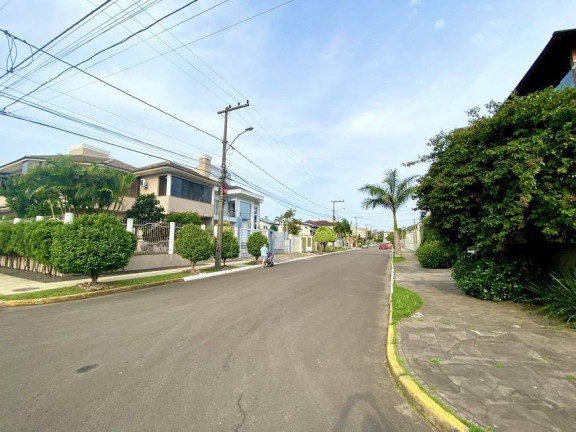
{"x":255,"y":242}
{"x":230,"y":246}
{"x":324,"y":235}
{"x":92,"y":245}
{"x":194,"y":244}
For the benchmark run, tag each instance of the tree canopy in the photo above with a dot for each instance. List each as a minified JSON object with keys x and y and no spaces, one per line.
{"x":289,"y":223}
{"x":62,"y":185}
{"x":146,"y":208}
{"x":511,"y":173}
{"x":323,"y":235}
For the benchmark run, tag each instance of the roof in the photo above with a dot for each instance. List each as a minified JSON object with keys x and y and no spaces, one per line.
{"x":319,"y":223}
{"x":108,"y":162}
{"x":552,"y":64}
{"x":162,"y":166}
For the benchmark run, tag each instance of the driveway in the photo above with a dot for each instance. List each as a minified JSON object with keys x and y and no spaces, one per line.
{"x":296,"y":347}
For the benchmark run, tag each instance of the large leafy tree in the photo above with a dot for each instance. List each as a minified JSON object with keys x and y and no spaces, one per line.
{"x":391,"y":194}
{"x":510,"y":174}
{"x":323,"y":235}
{"x":62,"y":185}
{"x":288,"y":221}
{"x":343,"y":229}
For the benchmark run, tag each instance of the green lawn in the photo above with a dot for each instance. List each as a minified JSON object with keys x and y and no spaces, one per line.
{"x":399,"y":259}
{"x":405,"y":303}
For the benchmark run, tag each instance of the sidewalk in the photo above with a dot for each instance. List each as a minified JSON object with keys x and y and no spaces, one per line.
{"x":17,"y":285}
{"x":499,"y":365}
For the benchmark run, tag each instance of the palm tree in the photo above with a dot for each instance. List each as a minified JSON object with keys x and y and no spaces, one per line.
{"x":391,"y":194}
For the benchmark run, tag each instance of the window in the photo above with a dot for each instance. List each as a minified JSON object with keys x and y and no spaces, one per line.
{"x":24,"y":167}
{"x":163,"y":181}
{"x":245,"y":210}
{"x":190,"y":190}
{"x":255,"y":217}
{"x":232,"y":208}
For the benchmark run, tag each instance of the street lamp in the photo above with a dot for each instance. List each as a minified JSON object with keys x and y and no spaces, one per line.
{"x":225,"y":147}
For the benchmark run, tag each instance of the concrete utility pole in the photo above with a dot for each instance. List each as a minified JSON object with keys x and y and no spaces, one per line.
{"x":334,"y":210}
{"x":225,"y":146}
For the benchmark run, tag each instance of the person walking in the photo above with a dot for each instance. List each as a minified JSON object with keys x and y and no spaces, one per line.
{"x":264,"y":255}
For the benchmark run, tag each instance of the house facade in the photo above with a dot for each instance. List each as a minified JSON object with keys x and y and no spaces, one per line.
{"x":554,"y":67}
{"x":178,"y":188}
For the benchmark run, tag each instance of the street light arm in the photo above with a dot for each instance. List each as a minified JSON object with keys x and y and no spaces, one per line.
{"x":237,"y":136}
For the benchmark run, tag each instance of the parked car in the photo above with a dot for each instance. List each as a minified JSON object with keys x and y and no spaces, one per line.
{"x":385,"y":246}
{"x":364,"y":246}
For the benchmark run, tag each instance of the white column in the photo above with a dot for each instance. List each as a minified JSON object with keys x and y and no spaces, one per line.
{"x":68,"y":217}
{"x":171,"y":238}
{"x":39,"y":218}
{"x":130,"y":225}
{"x":17,"y":220}
{"x":169,"y":185}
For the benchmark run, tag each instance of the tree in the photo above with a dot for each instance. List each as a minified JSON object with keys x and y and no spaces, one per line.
{"x":184,"y":218}
{"x":343,"y":229}
{"x":194,"y":244}
{"x":230,"y":246}
{"x":289,"y":223}
{"x":323,"y":235}
{"x":92,"y":245}
{"x":255,"y":242}
{"x":391,"y":194}
{"x":511,"y":174}
{"x":146,"y":208}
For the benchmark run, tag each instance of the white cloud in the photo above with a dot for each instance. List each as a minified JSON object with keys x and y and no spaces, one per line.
{"x":440,"y":23}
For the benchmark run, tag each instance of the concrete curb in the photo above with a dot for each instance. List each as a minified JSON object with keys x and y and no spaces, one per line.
{"x":432,"y":411}
{"x":48,"y":300}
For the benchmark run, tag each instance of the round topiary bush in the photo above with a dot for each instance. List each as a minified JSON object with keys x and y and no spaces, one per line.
{"x":434,"y":255}
{"x":194,"y":244}
{"x":230,"y":246}
{"x":92,"y":245}
{"x":255,"y":242}
{"x":493,"y":277}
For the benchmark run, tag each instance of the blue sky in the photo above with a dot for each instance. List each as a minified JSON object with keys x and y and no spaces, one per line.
{"x":340,"y":91}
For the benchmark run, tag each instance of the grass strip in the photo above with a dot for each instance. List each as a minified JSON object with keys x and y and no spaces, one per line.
{"x":405,"y":303}
{"x":398,"y":259}
{"x":60,"y":292}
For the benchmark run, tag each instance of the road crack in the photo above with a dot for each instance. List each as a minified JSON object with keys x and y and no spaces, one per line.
{"x":239,"y":403}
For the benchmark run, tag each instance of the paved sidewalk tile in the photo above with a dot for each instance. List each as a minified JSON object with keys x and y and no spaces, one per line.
{"x":497,"y":364}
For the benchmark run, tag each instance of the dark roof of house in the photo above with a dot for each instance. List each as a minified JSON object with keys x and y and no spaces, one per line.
{"x":319,"y":223}
{"x":552,"y":64}
{"x":108,"y":162}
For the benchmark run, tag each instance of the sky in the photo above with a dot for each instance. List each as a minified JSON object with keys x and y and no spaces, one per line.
{"x":339,"y":91}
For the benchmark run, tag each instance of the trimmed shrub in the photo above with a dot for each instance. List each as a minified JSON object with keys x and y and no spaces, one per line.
{"x":434,"y":255}
{"x":230,"y":246}
{"x":493,"y":277}
{"x":41,"y":238}
{"x":184,"y":218}
{"x":194,"y":244}
{"x":92,"y":245}
{"x":323,"y":235}
{"x":255,"y":242}
{"x":557,"y":295}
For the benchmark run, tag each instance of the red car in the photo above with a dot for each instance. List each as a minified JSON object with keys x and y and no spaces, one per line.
{"x":386,"y":246}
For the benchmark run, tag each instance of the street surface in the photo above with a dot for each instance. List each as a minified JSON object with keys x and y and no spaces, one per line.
{"x":296,"y":347}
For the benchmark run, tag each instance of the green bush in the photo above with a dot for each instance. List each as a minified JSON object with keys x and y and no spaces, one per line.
{"x":184,"y":218}
{"x":91,"y":245}
{"x":493,"y":276}
{"x":194,"y":244}
{"x":41,"y":238}
{"x":230,"y":246}
{"x":557,"y":295}
{"x":323,"y":235}
{"x":5,"y":235}
{"x":433,"y":254}
{"x":255,"y":242}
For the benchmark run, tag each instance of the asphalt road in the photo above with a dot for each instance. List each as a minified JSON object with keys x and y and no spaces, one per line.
{"x":297,"y":347}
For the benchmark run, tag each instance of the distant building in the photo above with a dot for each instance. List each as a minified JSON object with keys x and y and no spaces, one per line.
{"x":554,"y":67}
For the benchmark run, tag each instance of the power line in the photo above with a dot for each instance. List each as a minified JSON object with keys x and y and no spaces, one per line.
{"x":55,"y":37}
{"x":117,"y":88}
{"x":127,"y":38}
{"x":4,"y":5}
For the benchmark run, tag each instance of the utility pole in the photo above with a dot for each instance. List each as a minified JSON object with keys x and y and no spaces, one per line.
{"x":334,"y":210}
{"x":218,"y":256}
